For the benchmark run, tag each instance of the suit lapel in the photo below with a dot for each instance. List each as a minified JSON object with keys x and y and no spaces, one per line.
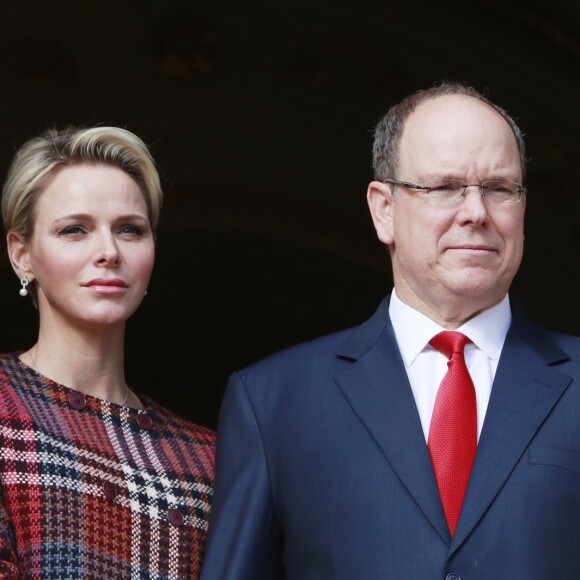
{"x":525,"y":390}
{"x":377,"y":388}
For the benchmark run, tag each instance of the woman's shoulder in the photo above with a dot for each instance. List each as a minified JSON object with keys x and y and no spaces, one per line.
{"x":175,"y":422}
{"x":10,"y":365}
{"x":9,"y":357}
{"x":189,"y":445}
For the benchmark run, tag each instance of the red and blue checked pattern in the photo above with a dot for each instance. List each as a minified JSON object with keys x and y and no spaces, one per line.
{"x":98,"y":492}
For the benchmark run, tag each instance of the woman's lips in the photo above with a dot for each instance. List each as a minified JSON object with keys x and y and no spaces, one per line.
{"x":107,"y":285}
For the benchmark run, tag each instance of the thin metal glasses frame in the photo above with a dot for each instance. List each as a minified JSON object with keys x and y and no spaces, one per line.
{"x":520,"y":189}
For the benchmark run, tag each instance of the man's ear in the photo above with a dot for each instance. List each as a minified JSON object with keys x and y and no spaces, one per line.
{"x":19,"y":255}
{"x":380,"y":200}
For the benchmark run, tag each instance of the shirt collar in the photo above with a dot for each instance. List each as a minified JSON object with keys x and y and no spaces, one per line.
{"x":413,"y":330}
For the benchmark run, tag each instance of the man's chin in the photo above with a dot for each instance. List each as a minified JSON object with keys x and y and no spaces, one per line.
{"x":477,"y":282}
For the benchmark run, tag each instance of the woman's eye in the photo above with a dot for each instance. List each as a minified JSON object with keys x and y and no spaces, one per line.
{"x":71,"y":230}
{"x":131,"y":229}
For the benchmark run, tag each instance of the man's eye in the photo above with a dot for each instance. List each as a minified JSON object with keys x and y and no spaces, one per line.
{"x":445,"y":187}
{"x":503,"y":188}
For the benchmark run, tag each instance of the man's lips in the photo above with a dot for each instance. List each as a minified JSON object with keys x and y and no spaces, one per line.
{"x":473,"y":247}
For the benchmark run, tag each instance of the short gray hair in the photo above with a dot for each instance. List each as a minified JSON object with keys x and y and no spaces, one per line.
{"x":389,"y":130}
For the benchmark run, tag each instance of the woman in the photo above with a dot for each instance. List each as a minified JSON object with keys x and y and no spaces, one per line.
{"x":96,"y":479}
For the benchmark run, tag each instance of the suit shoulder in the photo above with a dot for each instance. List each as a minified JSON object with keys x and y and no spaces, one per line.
{"x":554,"y":347}
{"x":567,"y":342}
{"x":329,"y":351}
{"x":318,"y":360}
{"x":319,"y":351}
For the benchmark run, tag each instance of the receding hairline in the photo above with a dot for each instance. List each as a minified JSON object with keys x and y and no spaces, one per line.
{"x":388,"y":131}
{"x":458,"y":97}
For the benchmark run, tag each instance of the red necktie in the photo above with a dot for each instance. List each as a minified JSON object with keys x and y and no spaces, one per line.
{"x":453,"y":431}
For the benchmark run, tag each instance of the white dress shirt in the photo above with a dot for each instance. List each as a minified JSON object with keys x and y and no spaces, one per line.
{"x":426,"y":367}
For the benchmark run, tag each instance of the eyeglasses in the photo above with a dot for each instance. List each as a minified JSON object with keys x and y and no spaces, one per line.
{"x":452,"y":191}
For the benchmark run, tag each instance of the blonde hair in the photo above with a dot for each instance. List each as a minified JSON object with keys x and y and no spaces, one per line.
{"x":37,"y":160}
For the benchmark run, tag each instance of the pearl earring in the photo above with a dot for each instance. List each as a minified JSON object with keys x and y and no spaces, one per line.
{"x":24,"y":283}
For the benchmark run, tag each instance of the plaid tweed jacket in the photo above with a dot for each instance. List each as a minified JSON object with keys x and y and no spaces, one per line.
{"x":91,"y":489}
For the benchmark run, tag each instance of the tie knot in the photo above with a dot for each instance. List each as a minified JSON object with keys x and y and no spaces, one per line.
{"x":449,"y":342}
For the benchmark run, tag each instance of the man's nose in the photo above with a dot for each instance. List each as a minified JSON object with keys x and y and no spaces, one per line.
{"x":473,"y":207}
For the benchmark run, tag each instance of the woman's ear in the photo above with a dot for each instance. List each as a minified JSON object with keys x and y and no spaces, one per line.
{"x":380,"y":200}
{"x":19,"y":255}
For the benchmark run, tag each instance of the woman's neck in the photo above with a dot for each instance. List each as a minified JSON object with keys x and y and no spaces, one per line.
{"x":88,"y":361}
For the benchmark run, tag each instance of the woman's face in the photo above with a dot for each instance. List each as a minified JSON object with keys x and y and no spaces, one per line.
{"x":92,"y":250}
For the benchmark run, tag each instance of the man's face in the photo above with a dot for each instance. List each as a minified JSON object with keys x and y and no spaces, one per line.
{"x":452,"y":262}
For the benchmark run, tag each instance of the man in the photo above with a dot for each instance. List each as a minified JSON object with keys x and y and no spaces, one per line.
{"x":348,"y":457}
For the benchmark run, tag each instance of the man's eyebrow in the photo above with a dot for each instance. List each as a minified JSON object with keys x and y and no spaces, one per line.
{"x":440,"y":176}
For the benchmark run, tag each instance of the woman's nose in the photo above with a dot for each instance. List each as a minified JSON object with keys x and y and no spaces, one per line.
{"x":107,"y":253}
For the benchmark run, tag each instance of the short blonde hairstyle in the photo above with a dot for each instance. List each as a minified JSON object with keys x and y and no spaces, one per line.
{"x":37,"y":160}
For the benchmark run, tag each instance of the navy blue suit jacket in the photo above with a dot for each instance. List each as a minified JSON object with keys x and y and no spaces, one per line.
{"x":323,"y":471}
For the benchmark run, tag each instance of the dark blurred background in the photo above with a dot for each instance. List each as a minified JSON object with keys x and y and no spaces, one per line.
{"x":260,"y":117}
